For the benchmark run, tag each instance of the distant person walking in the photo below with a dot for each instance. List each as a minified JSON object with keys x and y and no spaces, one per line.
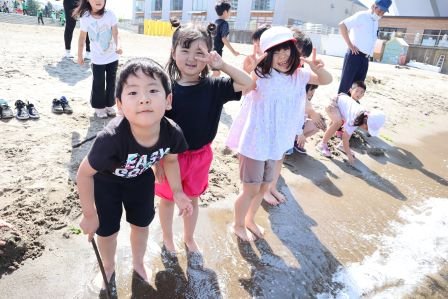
{"x":40,"y":17}
{"x":360,"y":33}
{"x":24,"y":8}
{"x":70,"y":23}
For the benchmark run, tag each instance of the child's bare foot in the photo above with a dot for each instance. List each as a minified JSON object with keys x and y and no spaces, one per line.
{"x":143,"y":271}
{"x":257,"y":230}
{"x":192,"y":246}
{"x":280,"y":197}
{"x":270,"y":199}
{"x":242,"y":233}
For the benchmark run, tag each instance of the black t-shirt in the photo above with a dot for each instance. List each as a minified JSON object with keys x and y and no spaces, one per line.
{"x":197,"y":108}
{"x":116,"y":154}
{"x":222,"y":30}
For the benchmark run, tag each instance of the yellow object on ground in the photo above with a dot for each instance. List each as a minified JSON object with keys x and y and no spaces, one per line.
{"x":158,"y":28}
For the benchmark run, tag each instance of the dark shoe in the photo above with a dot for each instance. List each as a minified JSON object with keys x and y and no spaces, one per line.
{"x":21,"y":112}
{"x":57,"y":106}
{"x":65,"y":105}
{"x":32,"y":111}
{"x":5,"y":110}
{"x":299,"y":149}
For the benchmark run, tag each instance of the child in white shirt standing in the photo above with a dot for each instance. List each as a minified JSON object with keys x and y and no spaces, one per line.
{"x":271,"y":116}
{"x":101,"y":24}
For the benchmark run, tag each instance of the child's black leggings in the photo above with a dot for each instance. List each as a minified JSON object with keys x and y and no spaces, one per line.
{"x":103,"y":74}
{"x":70,"y":24}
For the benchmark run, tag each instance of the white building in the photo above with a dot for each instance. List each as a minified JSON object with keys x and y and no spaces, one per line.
{"x":420,"y":8}
{"x":248,"y":14}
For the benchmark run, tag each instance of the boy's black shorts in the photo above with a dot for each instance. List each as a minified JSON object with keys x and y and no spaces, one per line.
{"x":136,"y":195}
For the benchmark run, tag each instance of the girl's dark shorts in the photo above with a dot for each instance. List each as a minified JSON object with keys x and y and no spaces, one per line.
{"x":135,"y":195}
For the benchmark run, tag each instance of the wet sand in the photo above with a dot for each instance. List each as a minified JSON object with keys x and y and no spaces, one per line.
{"x":336,"y":216}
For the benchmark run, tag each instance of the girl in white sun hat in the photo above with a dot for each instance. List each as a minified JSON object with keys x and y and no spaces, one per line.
{"x":268,"y":120}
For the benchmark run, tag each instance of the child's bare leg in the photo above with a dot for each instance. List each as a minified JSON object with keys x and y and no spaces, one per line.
{"x":270,"y":196}
{"x":253,"y":208}
{"x":107,"y":247}
{"x":139,"y":240}
{"x":166,"y":213}
{"x":273,"y":185}
{"x":190,"y":225}
{"x":242,"y":205}
{"x":336,"y":123}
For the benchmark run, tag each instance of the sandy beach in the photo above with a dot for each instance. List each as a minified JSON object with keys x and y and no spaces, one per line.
{"x":375,"y":230}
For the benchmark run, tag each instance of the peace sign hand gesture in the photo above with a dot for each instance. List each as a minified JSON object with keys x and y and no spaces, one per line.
{"x":211,"y":58}
{"x":315,"y":64}
{"x":251,"y":61}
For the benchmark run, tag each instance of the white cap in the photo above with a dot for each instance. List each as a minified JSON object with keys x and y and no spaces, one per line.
{"x":375,"y":122}
{"x":275,"y":36}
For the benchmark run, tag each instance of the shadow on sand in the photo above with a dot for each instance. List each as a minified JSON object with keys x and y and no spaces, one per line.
{"x":316,"y":263}
{"x":172,"y":283}
{"x":68,"y":71}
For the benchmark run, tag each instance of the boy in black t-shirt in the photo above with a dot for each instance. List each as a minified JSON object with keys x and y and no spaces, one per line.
{"x":222,"y":9}
{"x":117,"y":170}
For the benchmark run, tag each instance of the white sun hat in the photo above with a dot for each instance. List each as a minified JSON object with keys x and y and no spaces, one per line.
{"x":375,"y":122}
{"x":275,"y":36}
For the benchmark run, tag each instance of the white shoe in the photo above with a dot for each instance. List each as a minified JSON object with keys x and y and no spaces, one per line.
{"x":110,"y":111}
{"x":68,"y":54}
{"x":101,"y":113}
{"x":87,"y":56}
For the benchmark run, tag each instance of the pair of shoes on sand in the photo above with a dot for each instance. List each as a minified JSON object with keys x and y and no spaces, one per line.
{"x":105,"y":112}
{"x":61,"y":105}
{"x":24,"y":110}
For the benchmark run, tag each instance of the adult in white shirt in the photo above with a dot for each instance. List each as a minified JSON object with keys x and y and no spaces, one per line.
{"x":360,"y":33}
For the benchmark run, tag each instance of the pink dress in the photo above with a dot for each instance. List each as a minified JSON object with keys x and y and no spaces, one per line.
{"x":271,"y":116}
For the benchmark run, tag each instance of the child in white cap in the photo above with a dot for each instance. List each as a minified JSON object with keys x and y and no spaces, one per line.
{"x":346,"y":111}
{"x":271,"y":116}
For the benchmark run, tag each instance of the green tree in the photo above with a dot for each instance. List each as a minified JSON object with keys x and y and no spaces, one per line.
{"x":33,"y":7}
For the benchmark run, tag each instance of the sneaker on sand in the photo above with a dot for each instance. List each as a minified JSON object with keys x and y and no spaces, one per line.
{"x":299,"y":149}
{"x":21,"y":113}
{"x":65,"y":105}
{"x":5,"y":110}
{"x":101,"y":113}
{"x":289,"y":152}
{"x":56,"y":106}
{"x":323,"y":150}
{"x":32,"y":111}
{"x":87,"y":56}
{"x":110,"y":111}
{"x":68,"y":54}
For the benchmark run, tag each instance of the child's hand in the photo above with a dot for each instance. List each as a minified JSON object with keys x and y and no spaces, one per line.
{"x":251,"y":61}
{"x":80,"y":59}
{"x":184,"y":204}
{"x":315,"y":64}
{"x":159,"y":173}
{"x":89,"y":225}
{"x":213,"y":59}
{"x":119,"y":51}
{"x":300,"y":140}
{"x":236,"y":53}
{"x":319,"y":121}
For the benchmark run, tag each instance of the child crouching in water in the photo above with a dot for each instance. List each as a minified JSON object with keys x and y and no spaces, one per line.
{"x":117,"y":170}
{"x":198,"y":100}
{"x":271,"y":116}
{"x":346,"y":111}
